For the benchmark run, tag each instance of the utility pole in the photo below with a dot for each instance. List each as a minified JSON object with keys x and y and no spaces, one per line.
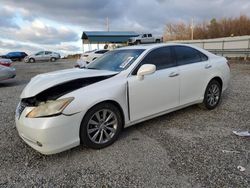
{"x":170,"y":31}
{"x":107,"y":23}
{"x":192,"y":29}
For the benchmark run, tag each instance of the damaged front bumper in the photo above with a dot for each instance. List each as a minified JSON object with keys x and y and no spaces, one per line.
{"x":49,"y":135}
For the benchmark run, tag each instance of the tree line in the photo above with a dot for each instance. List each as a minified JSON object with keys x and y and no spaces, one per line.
{"x":224,"y":27}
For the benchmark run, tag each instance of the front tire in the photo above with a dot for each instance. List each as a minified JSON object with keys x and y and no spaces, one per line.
{"x":212,"y":95}
{"x":101,"y":126}
{"x":31,"y":60}
{"x":137,"y":42}
{"x":53,"y":59}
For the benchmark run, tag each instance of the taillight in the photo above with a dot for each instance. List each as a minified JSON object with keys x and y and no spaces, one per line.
{"x":5,"y":64}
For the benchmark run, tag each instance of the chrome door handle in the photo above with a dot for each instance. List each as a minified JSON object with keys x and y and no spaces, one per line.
{"x":173,"y":74}
{"x":208,"y":66}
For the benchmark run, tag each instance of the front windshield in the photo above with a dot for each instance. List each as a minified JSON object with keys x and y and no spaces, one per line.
{"x":116,"y":60}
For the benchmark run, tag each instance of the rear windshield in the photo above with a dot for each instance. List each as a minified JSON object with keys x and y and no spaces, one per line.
{"x":116,"y":60}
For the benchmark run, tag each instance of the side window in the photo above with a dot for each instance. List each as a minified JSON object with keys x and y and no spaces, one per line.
{"x":144,"y":36}
{"x":187,"y":55}
{"x":149,"y":35}
{"x":47,"y":52}
{"x":203,"y":57}
{"x":39,"y":53}
{"x":161,"y":57}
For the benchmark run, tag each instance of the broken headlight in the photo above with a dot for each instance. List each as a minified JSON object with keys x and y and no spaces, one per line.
{"x":50,"y":108}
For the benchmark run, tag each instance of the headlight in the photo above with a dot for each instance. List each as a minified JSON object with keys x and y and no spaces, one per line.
{"x":50,"y":108}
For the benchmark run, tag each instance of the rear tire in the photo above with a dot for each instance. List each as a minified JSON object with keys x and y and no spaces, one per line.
{"x":53,"y":59}
{"x":101,"y":126}
{"x":212,"y":95}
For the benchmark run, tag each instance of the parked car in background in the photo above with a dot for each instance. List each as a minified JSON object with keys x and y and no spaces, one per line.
{"x":89,"y":56}
{"x":92,"y":55}
{"x":145,"y":38}
{"x":5,"y":62}
{"x":6,"y":71}
{"x":60,"y":110}
{"x":42,"y":56}
{"x":15,"y":56}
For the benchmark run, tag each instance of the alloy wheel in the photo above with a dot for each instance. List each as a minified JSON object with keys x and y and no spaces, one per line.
{"x":102,"y":126}
{"x":213,"y":95}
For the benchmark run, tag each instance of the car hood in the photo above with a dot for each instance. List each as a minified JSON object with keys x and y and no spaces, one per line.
{"x":45,"y":81}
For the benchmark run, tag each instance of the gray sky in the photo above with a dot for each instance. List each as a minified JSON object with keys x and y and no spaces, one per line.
{"x":58,"y":24}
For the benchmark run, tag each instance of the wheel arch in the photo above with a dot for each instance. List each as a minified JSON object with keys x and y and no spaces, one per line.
{"x":138,"y":41}
{"x":218,"y":79}
{"x":113,"y":102}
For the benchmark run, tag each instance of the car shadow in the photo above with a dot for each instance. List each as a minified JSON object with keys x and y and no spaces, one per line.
{"x":125,"y":134}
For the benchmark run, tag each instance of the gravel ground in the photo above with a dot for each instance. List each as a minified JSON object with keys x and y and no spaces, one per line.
{"x":181,"y":149}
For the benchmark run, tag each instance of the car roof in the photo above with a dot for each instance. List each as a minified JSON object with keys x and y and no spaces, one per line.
{"x":15,"y":52}
{"x":149,"y":47}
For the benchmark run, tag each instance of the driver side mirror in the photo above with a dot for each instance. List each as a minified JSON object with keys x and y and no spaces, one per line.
{"x":145,"y":69}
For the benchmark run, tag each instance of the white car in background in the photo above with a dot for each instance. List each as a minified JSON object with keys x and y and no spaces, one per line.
{"x":60,"y":110}
{"x":42,"y":56}
{"x":6,"y":71}
{"x":89,"y":56}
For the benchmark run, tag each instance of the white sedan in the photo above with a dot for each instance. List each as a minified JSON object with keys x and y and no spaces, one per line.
{"x":90,"y":56}
{"x":60,"y":110}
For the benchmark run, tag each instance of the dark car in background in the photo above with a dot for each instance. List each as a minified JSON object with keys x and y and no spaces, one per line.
{"x":15,"y":56}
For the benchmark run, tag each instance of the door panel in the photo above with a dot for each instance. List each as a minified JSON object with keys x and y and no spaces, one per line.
{"x":193,"y":73}
{"x":39,"y":56}
{"x":156,"y":93}
{"x":192,"y":80}
{"x":150,"y":38}
{"x":47,"y":56}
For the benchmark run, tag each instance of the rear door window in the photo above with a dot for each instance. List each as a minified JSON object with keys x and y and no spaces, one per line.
{"x":39,"y":53}
{"x":47,"y":53}
{"x":187,"y":55}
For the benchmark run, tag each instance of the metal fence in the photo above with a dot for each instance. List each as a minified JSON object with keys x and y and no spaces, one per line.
{"x":228,"y":46}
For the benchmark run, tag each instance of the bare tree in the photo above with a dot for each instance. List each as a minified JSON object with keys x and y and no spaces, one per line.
{"x":224,"y":27}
